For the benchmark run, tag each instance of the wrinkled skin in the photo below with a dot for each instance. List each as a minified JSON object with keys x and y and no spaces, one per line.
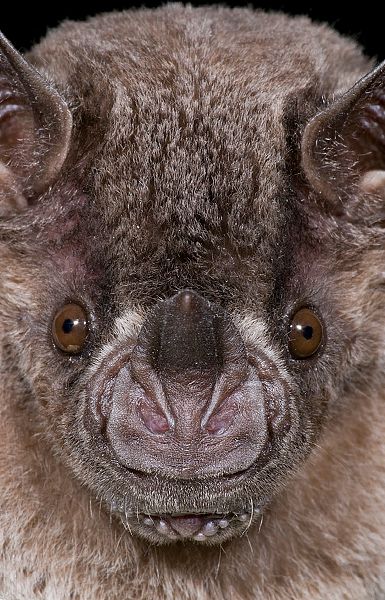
{"x":191,"y":198}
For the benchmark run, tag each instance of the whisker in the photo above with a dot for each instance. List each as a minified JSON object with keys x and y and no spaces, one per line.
{"x":251,"y":518}
{"x":126,"y":514}
{"x":219,"y":562}
{"x":260,"y":523}
{"x":250,"y":545}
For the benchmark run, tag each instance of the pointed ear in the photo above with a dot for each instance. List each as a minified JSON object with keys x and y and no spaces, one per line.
{"x":35,"y":127}
{"x":343,"y":147}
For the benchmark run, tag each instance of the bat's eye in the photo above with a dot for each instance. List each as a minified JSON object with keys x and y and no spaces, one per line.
{"x":306,"y":333}
{"x":70,"y":328}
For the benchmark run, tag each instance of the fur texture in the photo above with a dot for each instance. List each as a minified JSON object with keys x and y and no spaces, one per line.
{"x":184,"y":171}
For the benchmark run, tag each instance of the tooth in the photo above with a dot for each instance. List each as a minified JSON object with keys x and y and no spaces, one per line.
{"x":244,"y":517}
{"x":162,"y":527}
{"x":200,"y":537}
{"x":223,"y":523}
{"x":210,"y":528}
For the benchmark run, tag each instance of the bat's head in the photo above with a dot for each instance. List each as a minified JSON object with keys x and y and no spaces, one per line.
{"x":191,"y":266}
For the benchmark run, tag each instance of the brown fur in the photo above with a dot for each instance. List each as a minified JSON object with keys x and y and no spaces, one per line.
{"x":184,"y":171}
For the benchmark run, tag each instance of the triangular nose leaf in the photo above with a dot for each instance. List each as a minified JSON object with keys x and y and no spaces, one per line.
{"x":189,"y":335}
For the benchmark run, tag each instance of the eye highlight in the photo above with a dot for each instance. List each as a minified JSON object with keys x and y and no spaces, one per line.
{"x":70,"y":328}
{"x":305,"y":333}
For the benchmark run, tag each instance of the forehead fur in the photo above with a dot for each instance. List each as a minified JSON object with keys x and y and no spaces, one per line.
{"x":186,"y":112}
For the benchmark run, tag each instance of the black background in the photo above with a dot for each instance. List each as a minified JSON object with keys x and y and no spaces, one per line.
{"x":24,"y":25}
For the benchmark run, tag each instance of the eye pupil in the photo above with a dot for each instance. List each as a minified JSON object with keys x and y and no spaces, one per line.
{"x":68,"y":326}
{"x":307,"y":332}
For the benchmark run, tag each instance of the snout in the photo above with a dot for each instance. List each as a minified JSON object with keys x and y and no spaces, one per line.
{"x":186,"y":400}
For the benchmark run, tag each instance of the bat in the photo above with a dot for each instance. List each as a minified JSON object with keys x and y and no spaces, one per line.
{"x":192,"y":294}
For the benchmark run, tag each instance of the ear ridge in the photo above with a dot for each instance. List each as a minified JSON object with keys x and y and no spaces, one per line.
{"x":347,"y":139}
{"x":42,"y":117}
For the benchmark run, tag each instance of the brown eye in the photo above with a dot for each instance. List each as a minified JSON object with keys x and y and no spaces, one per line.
{"x":70,"y":328}
{"x":306,"y":333}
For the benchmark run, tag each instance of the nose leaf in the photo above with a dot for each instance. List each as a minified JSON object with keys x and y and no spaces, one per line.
{"x":184,"y":335}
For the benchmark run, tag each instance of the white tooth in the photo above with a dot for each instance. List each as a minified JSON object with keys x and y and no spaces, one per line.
{"x":148,"y":521}
{"x":200,"y":537}
{"x":244,"y":517}
{"x":223,"y":523}
{"x":162,"y":527}
{"x":210,"y":528}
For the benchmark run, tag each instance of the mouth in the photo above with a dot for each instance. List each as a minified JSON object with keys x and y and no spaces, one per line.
{"x":197,"y":527}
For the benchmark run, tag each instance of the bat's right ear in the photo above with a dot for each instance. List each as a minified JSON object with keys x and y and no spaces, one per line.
{"x":35,"y":129}
{"x":343,"y":147}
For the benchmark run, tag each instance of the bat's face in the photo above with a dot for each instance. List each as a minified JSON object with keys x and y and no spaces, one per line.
{"x":184,"y":293}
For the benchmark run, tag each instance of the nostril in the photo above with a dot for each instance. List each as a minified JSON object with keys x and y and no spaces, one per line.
{"x":154,"y":420}
{"x":221,"y":421}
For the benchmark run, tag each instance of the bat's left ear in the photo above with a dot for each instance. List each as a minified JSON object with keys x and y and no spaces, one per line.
{"x":343,"y":147}
{"x":35,"y":127}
